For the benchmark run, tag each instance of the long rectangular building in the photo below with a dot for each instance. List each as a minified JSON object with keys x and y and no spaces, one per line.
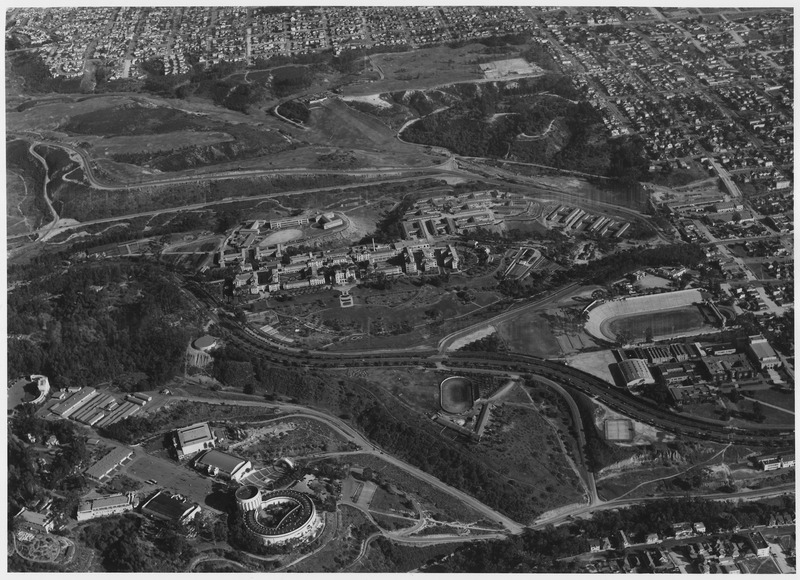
{"x":66,"y":408}
{"x":105,"y":506}
{"x":108,"y":463}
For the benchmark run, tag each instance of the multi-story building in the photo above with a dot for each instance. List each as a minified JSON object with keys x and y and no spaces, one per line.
{"x":105,"y":506}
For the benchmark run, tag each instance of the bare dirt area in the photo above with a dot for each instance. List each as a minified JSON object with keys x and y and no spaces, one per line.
{"x":124,"y":144}
{"x":281,"y":237}
{"x":529,"y":333}
{"x":424,"y":68}
{"x":289,"y":437}
{"x":595,"y":363}
{"x":416,"y":387}
{"x":643,"y":434}
{"x":335,"y":122}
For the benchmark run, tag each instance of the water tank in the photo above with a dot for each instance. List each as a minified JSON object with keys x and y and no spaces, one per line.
{"x":248,"y":497}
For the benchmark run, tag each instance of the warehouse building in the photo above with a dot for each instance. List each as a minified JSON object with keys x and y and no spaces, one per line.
{"x":215,"y":462}
{"x":111,"y":461}
{"x":66,"y":408}
{"x":635,"y":372}
{"x":189,"y":440}
{"x":170,"y":508}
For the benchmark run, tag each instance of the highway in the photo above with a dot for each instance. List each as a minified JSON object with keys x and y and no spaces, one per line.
{"x":588,"y":511}
{"x":620,"y":400}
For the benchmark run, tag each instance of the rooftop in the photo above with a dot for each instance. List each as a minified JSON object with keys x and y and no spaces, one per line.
{"x":162,"y":504}
{"x":223,"y":461}
{"x":109,"y":462}
{"x":194,"y":433}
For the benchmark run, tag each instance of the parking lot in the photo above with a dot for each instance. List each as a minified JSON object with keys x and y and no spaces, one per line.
{"x":169,"y":475}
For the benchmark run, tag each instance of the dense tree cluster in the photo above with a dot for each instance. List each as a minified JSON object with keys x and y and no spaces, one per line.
{"x":287,"y":80}
{"x":389,"y":228}
{"x":27,"y":477}
{"x":38,"y":78}
{"x":93,"y":321}
{"x":612,"y":267}
{"x":296,"y":111}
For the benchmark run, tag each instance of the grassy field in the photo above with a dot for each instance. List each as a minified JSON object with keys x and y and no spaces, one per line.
{"x":529,"y":333}
{"x":123,"y":144}
{"x":425,"y":68}
{"x":521,"y":445}
{"x":665,"y":323}
{"x":416,"y":387}
{"x":335,"y":123}
{"x":777,"y":397}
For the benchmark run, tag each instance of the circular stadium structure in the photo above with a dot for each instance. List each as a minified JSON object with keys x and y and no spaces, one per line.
{"x":456,"y":395}
{"x":671,"y":314}
{"x":277,"y":517}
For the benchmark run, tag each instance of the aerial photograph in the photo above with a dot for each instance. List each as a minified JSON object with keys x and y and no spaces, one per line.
{"x":388,"y":289}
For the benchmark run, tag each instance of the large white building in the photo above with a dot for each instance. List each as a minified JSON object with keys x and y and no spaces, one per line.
{"x":215,"y":462}
{"x":762,"y":353}
{"x":105,"y":506}
{"x":189,"y":440}
{"x":635,"y":372}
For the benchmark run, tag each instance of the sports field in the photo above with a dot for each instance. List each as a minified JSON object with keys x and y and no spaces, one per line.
{"x":663,"y":323}
{"x":457,"y":394}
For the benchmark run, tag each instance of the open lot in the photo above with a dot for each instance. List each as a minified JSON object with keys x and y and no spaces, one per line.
{"x":169,"y":475}
{"x":335,"y":122}
{"x":122,"y":144}
{"x":775,"y":396}
{"x":597,"y":363}
{"x":417,"y":387}
{"x":424,"y":68}
{"x":529,"y":333}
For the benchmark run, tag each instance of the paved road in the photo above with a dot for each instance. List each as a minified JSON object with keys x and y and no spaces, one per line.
{"x":588,"y":511}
